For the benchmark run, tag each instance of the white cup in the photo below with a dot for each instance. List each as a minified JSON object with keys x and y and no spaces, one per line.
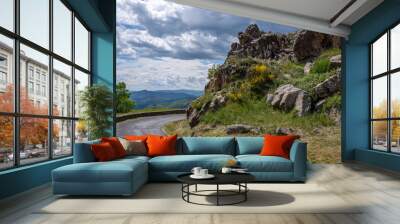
{"x":226,"y":170}
{"x":196,"y":171}
{"x":203,"y":172}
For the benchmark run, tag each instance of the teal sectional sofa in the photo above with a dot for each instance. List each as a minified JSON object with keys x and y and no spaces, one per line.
{"x":125,"y":176}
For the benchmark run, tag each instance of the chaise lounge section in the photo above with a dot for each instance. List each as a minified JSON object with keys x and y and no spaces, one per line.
{"x":125,"y":176}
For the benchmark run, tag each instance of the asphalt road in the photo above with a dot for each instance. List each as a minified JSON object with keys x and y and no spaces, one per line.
{"x":146,"y":125}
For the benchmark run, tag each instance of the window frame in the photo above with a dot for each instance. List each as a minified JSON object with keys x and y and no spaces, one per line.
{"x":388,"y":74}
{"x":16,"y":114}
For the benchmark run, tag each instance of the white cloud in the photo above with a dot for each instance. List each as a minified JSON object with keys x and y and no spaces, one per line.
{"x":163,"y":73}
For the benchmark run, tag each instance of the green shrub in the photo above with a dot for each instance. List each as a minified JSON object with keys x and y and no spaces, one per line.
{"x":321,"y":66}
{"x":334,"y":101}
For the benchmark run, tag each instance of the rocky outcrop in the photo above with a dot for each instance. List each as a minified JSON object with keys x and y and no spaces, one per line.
{"x":288,"y":97}
{"x":241,"y":129}
{"x":309,"y":44}
{"x":193,"y":115}
{"x":227,"y":72}
{"x":257,"y":44}
{"x":256,"y":47}
{"x":328,"y":87}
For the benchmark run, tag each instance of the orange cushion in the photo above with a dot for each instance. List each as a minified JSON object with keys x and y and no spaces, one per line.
{"x":161,"y":145}
{"x":103,"y":152}
{"x":278,"y":145}
{"x":116,"y":145}
{"x":136,"y":137}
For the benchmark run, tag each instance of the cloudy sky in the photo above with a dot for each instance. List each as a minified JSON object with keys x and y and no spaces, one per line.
{"x":163,"y":45}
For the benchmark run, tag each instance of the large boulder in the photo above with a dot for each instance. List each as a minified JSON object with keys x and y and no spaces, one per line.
{"x":303,"y":103}
{"x":309,"y":44}
{"x":288,"y":97}
{"x":328,"y":87}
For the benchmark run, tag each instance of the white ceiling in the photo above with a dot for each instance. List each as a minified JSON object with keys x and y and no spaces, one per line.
{"x":315,"y":15}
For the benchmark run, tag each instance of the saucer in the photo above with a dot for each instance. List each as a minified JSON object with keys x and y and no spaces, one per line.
{"x":208,"y":176}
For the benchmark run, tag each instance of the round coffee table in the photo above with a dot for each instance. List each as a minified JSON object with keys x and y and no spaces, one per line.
{"x":238,"y":179}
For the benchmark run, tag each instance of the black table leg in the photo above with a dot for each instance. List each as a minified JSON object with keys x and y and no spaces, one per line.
{"x":245,"y":193}
{"x":195,"y":188}
{"x":217,"y":194}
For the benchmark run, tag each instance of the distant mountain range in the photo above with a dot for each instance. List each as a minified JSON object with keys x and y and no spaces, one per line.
{"x":179,"y":99}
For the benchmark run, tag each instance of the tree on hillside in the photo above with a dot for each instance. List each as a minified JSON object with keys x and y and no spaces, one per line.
{"x":33,"y":130}
{"x":124,"y":103}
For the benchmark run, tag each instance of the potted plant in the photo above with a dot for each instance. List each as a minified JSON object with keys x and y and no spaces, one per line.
{"x":96,"y":102}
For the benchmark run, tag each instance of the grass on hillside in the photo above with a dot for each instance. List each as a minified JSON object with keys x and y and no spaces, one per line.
{"x":321,"y":133}
{"x":259,"y":113}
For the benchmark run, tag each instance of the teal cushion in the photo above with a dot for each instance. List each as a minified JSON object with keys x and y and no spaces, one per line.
{"x":111,"y":171}
{"x":207,"y":145}
{"x":185,"y":163}
{"x":249,"y":145}
{"x":257,"y":163}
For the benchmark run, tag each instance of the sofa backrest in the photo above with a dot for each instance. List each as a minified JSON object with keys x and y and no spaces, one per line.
{"x":249,"y":145}
{"x":206,"y":145}
{"x":83,"y":152}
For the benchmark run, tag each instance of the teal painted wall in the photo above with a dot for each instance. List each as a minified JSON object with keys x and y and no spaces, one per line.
{"x":355,"y":72}
{"x":24,"y":178}
{"x":99,"y":15}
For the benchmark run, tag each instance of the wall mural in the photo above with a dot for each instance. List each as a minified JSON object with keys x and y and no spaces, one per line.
{"x":232,"y":75}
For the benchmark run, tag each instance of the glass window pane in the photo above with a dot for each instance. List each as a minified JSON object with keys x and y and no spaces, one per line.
{"x":62,"y":138}
{"x":34,"y":72}
{"x":379,"y":135}
{"x":35,"y":21}
{"x":81,"y":82}
{"x":33,"y":140}
{"x":81,"y":131}
{"x":379,"y":55}
{"x":379,"y":97}
{"x":62,"y":29}
{"x":62,"y":89}
{"x":7,"y":14}
{"x":395,"y":136}
{"x":81,"y":45}
{"x":395,"y":94}
{"x":6,"y":142}
{"x":6,"y":74}
{"x":395,"y":47}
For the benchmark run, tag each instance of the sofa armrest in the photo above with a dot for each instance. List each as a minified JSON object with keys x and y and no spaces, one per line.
{"x":83,"y":152}
{"x":298,"y":155}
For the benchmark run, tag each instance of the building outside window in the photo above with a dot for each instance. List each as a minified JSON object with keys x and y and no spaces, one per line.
{"x":3,"y":71}
{"x":34,"y":75}
{"x":30,"y":87}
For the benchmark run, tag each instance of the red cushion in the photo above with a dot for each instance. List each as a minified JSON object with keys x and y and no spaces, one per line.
{"x":116,"y":145}
{"x":161,"y":145}
{"x":278,"y":145}
{"x":103,"y":152}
